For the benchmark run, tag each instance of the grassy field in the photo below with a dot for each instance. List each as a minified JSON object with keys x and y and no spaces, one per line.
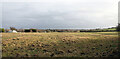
{"x":85,"y":44}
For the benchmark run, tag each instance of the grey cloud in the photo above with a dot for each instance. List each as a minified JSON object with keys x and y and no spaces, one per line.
{"x":58,"y":15}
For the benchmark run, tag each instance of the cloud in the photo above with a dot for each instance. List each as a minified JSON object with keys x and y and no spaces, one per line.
{"x":60,"y":14}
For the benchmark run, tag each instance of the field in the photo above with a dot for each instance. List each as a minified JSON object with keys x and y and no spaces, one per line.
{"x":66,"y":44}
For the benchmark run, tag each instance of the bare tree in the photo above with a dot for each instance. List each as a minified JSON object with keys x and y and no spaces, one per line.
{"x":13,"y":28}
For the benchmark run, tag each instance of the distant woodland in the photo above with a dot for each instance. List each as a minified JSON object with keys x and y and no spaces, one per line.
{"x":113,"y":29}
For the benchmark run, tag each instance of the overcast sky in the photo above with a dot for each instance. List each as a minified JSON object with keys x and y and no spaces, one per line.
{"x":45,"y":14}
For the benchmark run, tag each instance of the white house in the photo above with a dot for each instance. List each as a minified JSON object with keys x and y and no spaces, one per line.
{"x":12,"y":31}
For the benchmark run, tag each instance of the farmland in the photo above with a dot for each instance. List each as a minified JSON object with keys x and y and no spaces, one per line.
{"x":64,"y":44}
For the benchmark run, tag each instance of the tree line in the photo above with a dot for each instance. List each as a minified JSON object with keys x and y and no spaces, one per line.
{"x":61,"y":30}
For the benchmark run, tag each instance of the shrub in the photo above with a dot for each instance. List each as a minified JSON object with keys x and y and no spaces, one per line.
{"x":34,"y":30}
{"x":2,"y":30}
{"x":118,"y":27}
{"x":27,"y":30}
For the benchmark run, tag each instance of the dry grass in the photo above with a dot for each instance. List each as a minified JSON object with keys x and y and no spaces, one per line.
{"x":99,"y":44}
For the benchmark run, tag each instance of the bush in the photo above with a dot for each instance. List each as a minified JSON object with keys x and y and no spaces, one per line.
{"x":118,"y":27}
{"x":48,"y":30}
{"x":30,"y":30}
{"x":34,"y":30}
{"x":2,"y":30}
{"x":27,"y":30}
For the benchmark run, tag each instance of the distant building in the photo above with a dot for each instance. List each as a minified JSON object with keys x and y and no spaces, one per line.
{"x":45,"y":32}
{"x":12,"y":31}
{"x":7,"y":30}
